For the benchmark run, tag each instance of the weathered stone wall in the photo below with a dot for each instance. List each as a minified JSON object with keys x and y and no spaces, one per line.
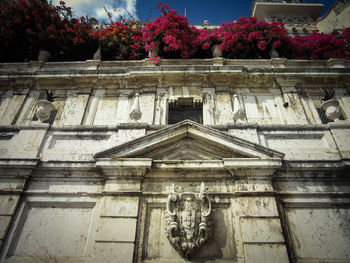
{"x":93,"y":186}
{"x":337,"y":18}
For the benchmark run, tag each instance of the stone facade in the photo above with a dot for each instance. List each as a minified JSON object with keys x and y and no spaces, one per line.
{"x":93,"y":184}
{"x":337,"y":17}
{"x":299,"y":17}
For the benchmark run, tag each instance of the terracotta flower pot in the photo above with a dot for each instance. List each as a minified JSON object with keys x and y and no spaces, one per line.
{"x":44,"y":110}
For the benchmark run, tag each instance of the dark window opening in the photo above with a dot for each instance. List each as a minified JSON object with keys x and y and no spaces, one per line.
{"x":49,"y":120}
{"x":185,"y":108}
{"x":323,"y":117}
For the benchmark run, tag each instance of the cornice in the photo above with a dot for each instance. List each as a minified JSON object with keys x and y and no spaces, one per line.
{"x":171,"y":72}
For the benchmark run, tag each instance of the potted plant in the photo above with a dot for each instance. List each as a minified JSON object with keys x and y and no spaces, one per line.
{"x":45,"y":107}
{"x":210,"y":40}
{"x":171,"y":34}
{"x":331,"y":106}
{"x":319,"y":46}
{"x":249,"y":38}
{"x":30,"y":27}
{"x":122,"y":41}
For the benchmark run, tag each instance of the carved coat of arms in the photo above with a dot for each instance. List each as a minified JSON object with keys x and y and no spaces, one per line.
{"x":188,"y":220}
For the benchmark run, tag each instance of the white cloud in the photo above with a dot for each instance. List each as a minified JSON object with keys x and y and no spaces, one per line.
{"x":93,"y":8}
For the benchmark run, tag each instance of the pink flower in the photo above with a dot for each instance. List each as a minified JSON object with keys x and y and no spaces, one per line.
{"x":206,"y":45}
{"x":277,"y":44}
{"x":262,"y":45}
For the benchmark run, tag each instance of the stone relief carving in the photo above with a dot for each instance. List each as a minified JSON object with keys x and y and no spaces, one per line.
{"x":188,"y":220}
{"x":161,"y":100}
{"x":238,"y":110}
{"x":209,"y":107}
{"x":135,"y":113}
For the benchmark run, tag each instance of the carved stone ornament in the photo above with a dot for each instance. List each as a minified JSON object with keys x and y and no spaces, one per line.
{"x":44,"y":110}
{"x":135,"y":113}
{"x":188,"y":220}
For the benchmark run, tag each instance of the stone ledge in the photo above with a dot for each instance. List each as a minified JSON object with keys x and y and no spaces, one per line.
{"x":18,"y":163}
{"x":117,"y":127}
{"x":155,"y":127}
{"x":39,"y":66}
{"x":11,"y":128}
{"x":313,"y":165}
{"x":45,"y":193}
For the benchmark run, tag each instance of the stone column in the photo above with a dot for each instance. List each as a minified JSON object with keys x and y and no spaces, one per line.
{"x":19,"y":151}
{"x":255,"y":212}
{"x":292,"y":103}
{"x":123,"y":107}
{"x":161,"y":113}
{"x":75,"y":105}
{"x":11,"y":103}
{"x":26,"y":113}
{"x":147,"y":104}
{"x":92,"y":107}
{"x":309,"y":107}
{"x":117,"y":227}
{"x":224,"y":106}
{"x":209,"y":106}
{"x":8,"y":202}
{"x":343,"y":96}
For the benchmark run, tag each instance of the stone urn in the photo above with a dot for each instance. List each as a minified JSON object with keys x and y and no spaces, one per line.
{"x":44,"y":55}
{"x":274,"y":53}
{"x":154,"y":52}
{"x":331,"y":108}
{"x":97,"y":54}
{"x":44,"y":110}
{"x":216,"y":51}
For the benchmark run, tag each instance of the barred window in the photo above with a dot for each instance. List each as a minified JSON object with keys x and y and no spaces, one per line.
{"x":185,"y":108}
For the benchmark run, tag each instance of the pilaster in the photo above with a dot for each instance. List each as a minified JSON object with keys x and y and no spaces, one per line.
{"x":256,"y":211}
{"x":292,"y":103}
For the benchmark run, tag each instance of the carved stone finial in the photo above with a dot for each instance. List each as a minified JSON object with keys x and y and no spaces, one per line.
{"x":238,"y":111}
{"x":44,"y":110}
{"x":136,"y":113}
{"x":331,"y":107}
{"x":188,"y":220}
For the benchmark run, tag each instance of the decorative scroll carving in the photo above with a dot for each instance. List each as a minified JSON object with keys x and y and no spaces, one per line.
{"x":188,"y":220}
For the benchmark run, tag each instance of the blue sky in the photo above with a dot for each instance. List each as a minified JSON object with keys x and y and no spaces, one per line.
{"x":215,"y":11}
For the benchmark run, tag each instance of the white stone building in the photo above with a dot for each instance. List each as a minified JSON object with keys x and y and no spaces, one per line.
{"x":100,"y":181}
{"x":337,"y":17}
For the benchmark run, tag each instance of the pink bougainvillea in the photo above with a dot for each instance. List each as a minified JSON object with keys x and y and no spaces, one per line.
{"x":171,"y":33}
{"x":319,"y":46}
{"x":29,"y":25}
{"x":26,"y":26}
{"x":249,"y":38}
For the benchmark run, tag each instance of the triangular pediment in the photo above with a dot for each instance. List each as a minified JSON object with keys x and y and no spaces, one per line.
{"x":188,"y":140}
